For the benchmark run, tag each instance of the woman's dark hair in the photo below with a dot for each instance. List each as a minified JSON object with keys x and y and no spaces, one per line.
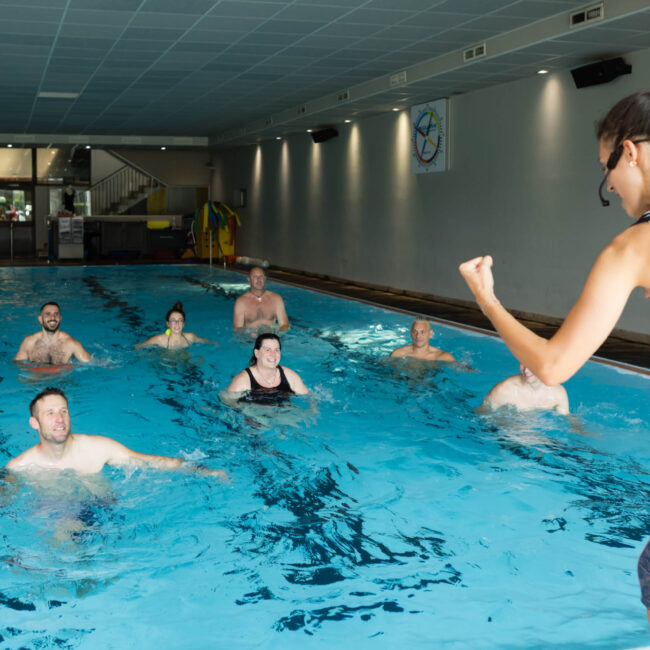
{"x":258,"y":344}
{"x":178,"y":308}
{"x":628,"y":119}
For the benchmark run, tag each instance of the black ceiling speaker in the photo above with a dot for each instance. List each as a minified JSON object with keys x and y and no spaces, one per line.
{"x":599,"y":73}
{"x":326,"y":133}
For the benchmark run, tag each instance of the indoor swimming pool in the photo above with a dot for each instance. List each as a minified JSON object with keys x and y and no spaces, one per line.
{"x":380,"y":511}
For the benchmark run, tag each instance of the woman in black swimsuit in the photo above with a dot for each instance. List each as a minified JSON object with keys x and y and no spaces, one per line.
{"x":174,"y":337}
{"x":265,"y":378}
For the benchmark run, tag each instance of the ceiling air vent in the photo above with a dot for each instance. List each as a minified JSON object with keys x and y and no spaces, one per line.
{"x":343,"y":96}
{"x":475,"y":52}
{"x":302,"y":109}
{"x":398,"y":78}
{"x":588,"y":15}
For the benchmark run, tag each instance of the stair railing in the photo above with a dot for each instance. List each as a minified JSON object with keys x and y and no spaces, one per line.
{"x":119,"y":188}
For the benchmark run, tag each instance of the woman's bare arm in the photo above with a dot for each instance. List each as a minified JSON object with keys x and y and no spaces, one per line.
{"x":616,"y":272}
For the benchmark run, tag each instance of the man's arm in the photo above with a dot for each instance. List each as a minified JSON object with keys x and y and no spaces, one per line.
{"x":562,"y":406}
{"x":445,"y":356}
{"x":78,"y":351}
{"x":122,"y":456}
{"x":23,"y":350}
{"x":499,"y":394}
{"x":281,"y":315}
{"x":398,"y":353}
{"x":238,"y":314}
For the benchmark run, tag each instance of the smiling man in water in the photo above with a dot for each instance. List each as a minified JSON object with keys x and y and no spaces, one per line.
{"x":51,"y":345}
{"x":258,"y":306}
{"x":60,"y":449}
{"x":421,"y":334}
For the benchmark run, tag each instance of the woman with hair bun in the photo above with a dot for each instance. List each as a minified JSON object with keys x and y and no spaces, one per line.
{"x":174,"y":337}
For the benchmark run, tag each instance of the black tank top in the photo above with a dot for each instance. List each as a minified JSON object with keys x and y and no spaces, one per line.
{"x":267,"y":395}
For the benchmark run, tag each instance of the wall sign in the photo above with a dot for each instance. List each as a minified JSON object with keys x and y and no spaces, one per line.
{"x":429,"y":137}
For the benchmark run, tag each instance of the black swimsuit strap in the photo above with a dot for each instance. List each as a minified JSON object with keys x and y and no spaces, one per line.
{"x":644,"y":218}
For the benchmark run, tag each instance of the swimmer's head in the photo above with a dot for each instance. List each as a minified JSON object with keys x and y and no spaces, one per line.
{"x":50,"y":316}
{"x":176,"y":309}
{"x":421,"y":332}
{"x":526,"y":373}
{"x":259,"y":342}
{"x":48,"y":304}
{"x":257,"y":278}
{"x":45,"y":393}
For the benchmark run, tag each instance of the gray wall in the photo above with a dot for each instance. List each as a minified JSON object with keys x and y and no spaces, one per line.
{"x":522,"y":186}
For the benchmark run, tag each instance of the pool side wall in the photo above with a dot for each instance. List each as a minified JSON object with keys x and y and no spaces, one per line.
{"x":522,"y":185}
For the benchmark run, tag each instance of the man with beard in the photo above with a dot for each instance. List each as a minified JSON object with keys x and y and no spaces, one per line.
{"x":51,"y":345}
{"x":258,"y":306}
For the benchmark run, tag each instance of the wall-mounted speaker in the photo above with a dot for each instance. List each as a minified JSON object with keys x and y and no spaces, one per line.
{"x":599,"y":73}
{"x":326,"y":133}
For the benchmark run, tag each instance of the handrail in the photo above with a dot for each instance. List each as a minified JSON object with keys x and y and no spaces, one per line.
{"x":126,"y":161}
{"x":122,"y":186}
{"x":117,"y":171}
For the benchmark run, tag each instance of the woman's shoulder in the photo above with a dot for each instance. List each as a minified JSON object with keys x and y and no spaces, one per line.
{"x":633,"y":240}
{"x":241,"y":381}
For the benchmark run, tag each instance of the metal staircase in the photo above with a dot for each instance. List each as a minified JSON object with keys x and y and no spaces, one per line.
{"x":118,"y":192}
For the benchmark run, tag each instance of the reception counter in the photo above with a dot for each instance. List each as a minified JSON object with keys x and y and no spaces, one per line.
{"x":128,"y":237}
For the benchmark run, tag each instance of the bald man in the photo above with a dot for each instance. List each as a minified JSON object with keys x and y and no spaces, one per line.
{"x":258,"y":306}
{"x":526,"y":392}
{"x":421,"y":334}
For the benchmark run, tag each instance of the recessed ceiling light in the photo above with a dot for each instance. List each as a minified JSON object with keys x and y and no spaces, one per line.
{"x":87,"y":146}
{"x":395,"y":110}
{"x":57,"y":95}
{"x":308,"y":130}
{"x":163,"y":148}
{"x":542,"y":72}
{"x":348,"y":121}
{"x":10,"y":146}
{"x":277,"y":137}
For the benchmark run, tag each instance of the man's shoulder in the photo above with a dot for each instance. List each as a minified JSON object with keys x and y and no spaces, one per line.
{"x":438,"y":354}
{"x":504,"y":389}
{"x":22,"y":460}
{"x":245,"y":297}
{"x":402,"y":351}
{"x":31,"y":338}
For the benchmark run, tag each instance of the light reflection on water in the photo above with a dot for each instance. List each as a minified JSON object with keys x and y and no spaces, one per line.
{"x":381,"y":510}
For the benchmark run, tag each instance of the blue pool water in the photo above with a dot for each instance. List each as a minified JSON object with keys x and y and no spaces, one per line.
{"x":382,"y":512}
